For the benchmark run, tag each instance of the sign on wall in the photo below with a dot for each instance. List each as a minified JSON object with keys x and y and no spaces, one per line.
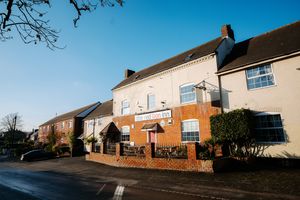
{"x":154,"y":115}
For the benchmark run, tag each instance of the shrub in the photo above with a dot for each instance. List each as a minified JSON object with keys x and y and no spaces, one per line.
{"x":91,"y":140}
{"x":234,"y":129}
{"x":206,"y":151}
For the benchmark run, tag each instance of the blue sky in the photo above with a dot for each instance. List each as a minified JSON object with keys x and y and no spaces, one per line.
{"x":38,"y":83}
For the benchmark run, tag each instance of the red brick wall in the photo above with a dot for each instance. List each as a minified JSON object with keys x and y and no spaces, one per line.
{"x":190,"y":164}
{"x":59,"y":131}
{"x":172,"y":133}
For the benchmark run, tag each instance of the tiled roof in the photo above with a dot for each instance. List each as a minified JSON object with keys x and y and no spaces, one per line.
{"x":106,"y":108}
{"x":279,"y":42}
{"x":195,"y":53}
{"x":70,"y":115}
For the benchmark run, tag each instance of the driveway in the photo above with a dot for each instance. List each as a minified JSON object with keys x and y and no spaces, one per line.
{"x":75,"y":178}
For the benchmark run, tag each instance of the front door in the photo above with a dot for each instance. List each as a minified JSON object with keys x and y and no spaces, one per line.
{"x":151,"y":136}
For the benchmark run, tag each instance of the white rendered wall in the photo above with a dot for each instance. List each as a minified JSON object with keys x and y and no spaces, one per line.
{"x":282,"y":98}
{"x":88,"y":130}
{"x":165,"y":87}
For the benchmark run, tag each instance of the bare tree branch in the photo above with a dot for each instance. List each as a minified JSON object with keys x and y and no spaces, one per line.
{"x":11,"y":122}
{"x":27,"y":19}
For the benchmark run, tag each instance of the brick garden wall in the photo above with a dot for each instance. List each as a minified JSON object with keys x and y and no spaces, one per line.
{"x":150,"y":162}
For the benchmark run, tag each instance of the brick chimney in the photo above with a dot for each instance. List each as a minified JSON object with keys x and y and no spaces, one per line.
{"x":128,"y":72}
{"x":227,"y":31}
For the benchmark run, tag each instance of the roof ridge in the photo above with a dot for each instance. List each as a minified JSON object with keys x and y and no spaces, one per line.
{"x":207,"y":48}
{"x":87,"y":106}
{"x":53,"y":120}
{"x":269,"y":32}
{"x":178,"y":54}
{"x":103,"y":108}
{"x":276,"y":29}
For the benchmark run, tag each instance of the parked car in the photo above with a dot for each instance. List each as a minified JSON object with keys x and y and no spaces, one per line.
{"x":38,"y":154}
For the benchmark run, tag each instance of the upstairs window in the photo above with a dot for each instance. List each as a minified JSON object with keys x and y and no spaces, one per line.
{"x":150,"y":101}
{"x":62,"y":125}
{"x":99,"y":122}
{"x":91,"y":124}
{"x":70,"y":124}
{"x":125,"y":134}
{"x":125,"y":109}
{"x":268,"y":128}
{"x":260,"y":77}
{"x":187,"y":93}
{"x":190,"y":131}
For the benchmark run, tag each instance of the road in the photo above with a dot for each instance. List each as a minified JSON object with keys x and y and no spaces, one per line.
{"x":75,"y":178}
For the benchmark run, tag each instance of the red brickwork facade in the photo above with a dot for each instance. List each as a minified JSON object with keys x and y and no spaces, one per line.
{"x":61,"y":129}
{"x":171,"y":133}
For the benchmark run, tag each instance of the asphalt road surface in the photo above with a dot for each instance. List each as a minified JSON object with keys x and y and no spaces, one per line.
{"x":75,"y":178}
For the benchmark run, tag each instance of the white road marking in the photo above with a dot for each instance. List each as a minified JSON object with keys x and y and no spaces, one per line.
{"x":100,"y":190}
{"x":119,"y":192}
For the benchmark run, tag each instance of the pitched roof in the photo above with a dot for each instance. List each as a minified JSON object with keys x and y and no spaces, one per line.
{"x":109,"y":129}
{"x":106,"y":108}
{"x":71,"y":114}
{"x":195,"y":53}
{"x":279,"y":42}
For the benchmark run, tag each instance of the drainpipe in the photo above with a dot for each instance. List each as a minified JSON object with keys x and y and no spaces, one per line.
{"x":93,"y":145}
{"x":220,"y":91}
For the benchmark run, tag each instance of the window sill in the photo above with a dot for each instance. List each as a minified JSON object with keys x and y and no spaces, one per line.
{"x":270,"y":143}
{"x":270,"y":86}
{"x":186,"y":142}
{"x":188,"y":103}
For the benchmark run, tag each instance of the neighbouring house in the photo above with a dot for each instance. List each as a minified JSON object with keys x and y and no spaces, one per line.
{"x":171,"y":102}
{"x":263,"y":74}
{"x":95,"y":122}
{"x":33,"y":136}
{"x":65,"y":125}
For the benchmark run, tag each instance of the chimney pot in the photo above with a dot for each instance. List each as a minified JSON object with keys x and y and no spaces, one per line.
{"x":128,"y":73}
{"x":227,"y":31}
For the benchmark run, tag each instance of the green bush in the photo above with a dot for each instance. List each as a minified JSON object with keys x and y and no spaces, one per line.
{"x":206,"y":151}
{"x":234,"y":129}
{"x":91,"y":140}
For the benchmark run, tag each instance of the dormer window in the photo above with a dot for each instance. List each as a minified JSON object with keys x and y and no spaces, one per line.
{"x":189,"y":57}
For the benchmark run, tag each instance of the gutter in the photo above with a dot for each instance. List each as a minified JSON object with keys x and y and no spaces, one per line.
{"x":258,"y":63}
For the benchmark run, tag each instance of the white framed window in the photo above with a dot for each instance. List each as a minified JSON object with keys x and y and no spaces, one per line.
{"x":62,"y":125}
{"x":99,"y":121}
{"x":150,"y":101}
{"x":187,"y":93}
{"x":70,"y":124}
{"x":125,"y":109}
{"x":90,"y":123}
{"x":125,"y":134}
{"x":190,"y":130}
{"x":269,"y":128}
{"x":260,"y":77}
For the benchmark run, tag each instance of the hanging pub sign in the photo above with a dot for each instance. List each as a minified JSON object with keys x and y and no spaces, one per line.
{"x":154,"y":115}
